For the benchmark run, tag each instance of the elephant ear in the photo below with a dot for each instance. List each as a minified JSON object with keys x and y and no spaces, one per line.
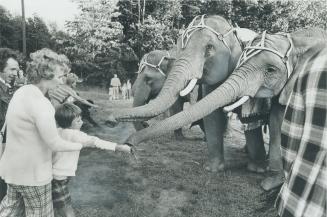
{"x":309,"y":50}
{"x":287,"y":90}
{"x":245,"y":35}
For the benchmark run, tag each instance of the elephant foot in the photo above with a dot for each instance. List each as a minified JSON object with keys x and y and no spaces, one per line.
{"x":253,"y":167}
{"x":273,"y":181}
{"x":215,"y":166}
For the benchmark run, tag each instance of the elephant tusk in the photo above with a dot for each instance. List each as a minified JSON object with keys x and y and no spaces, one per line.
{"x":236,"y":104}
{"x":189,"y":87}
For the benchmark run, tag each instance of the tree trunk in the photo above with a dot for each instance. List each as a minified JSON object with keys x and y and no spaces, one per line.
{"x":143,"y":12}
{"x":139,"y":9}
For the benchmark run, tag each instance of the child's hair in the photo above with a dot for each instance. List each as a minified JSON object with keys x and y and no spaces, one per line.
{"x":66,"y":113}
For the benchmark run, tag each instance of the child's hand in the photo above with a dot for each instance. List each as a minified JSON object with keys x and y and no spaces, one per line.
{"x":123,"y":148}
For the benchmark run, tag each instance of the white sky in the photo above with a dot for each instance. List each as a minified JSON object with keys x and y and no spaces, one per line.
{"x":57,"y":11}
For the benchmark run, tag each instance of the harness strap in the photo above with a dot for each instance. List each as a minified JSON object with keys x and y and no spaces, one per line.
{"x":145,"y":63}
{"x":251,"y":51}
{"x":193,"y":28}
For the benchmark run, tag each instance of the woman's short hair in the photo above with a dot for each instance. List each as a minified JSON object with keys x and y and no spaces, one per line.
{"x":5,"y":54}
{"x":43,"y":64}
{"x":66,"y":113}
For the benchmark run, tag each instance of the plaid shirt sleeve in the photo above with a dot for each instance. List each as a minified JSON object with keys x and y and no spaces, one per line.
{"x":304,"y":146}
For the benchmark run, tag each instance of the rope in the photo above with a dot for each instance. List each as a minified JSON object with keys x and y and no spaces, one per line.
{"x":251,"y":51}
{"x":188,"y":32}
{"x":157,"y":67}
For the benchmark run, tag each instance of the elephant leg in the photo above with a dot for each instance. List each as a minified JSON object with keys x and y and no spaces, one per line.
{"x":176,"y":108}
{"x":215,"y":126}
{"x":201,"y":125}
{"x":256,"y":150}
{"x":275,"y":166}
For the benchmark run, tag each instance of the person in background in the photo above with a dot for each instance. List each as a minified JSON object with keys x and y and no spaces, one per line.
{"x":68,"y":118}
{"x":8,"y":71}
{"x":115,"y":84}
{"x":20,"y":80}
{"x":111,"y":93}
{"x":32,"y":136}
{"x":65,"y":92}
{"x":124,"y":91}
{"x":129,"y":89}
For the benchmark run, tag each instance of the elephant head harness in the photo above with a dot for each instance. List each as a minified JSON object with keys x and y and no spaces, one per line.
{"x":201,"y":25}
{"x":251,"y":51}
{"x":145,"y":62}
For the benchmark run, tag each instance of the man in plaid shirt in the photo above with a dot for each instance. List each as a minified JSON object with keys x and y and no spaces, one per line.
{"x":304,"y":143}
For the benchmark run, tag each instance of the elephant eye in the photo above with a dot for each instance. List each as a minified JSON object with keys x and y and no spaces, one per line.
{"x":148,"y":81}
{"x":209,"y":47}
{"x":271,"y":69}
{"x":209,"y":50}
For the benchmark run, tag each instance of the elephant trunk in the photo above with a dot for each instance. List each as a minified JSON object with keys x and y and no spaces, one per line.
{"x":167,"y":97}
{"x":237,"y":85}
{"x":141,"y":93}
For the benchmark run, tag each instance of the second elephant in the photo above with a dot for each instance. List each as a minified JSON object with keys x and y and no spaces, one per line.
{"x":152,"y":74}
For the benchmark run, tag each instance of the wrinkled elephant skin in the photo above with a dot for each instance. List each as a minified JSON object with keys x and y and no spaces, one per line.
{"x":267,"y":70}
{"x":150,"y":81}
{"x":205,"y":56}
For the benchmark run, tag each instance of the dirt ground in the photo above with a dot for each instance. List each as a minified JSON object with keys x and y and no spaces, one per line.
{"x":168,"y":179}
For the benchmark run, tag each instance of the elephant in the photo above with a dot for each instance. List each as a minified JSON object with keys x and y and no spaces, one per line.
{"x":268,"y":68}
{"x":151,"y":77}
{"x":207,"y":53}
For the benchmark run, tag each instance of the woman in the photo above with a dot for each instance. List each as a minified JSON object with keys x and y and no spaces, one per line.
{"x":26,"y":164}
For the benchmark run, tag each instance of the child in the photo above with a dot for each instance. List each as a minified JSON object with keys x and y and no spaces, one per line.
{"x":111,"y":93}
{"x":65,"y":163}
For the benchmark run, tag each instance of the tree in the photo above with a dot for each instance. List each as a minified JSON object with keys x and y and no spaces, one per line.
{"x":94,"y":29}
{"x":95,"y":41}
{"x":157,"y":28}
{"x":10,"y":31}
{"x":37,"y":34}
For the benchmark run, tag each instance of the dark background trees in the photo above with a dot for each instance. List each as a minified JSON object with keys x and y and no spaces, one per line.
{"x":110,"y":36}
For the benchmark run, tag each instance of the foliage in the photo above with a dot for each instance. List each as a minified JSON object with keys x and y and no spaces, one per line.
{"x":152,"y":35}
{"x":93,"y":28}
{"x":304,"y":14}
{"x":157,"y":29}
{"x":96,"y":34}
{"x":110,"y":36}
{"x":37,"y":33}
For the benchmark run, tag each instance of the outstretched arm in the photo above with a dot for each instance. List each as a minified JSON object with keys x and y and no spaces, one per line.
{"x":84,"y":101}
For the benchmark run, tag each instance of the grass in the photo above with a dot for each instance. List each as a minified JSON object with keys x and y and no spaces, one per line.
{"x":168,"y":180}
